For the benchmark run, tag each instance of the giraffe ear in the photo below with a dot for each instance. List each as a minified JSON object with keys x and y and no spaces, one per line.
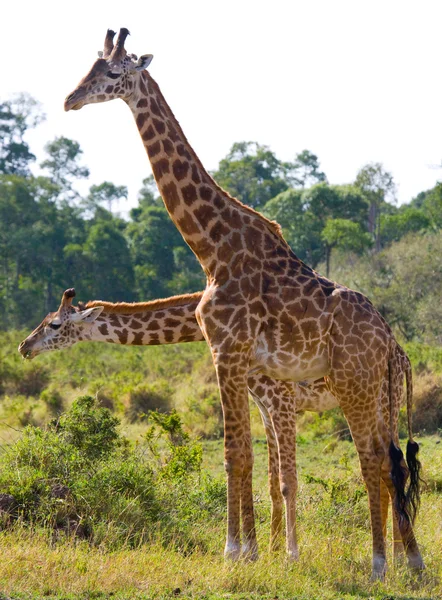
{"x":87,"y":316}
{"x":143,"y":62}
{"x":100,"y":53}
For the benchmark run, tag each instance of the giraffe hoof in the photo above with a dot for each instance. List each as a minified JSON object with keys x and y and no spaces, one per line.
{"x":249,"y":552}
{"x":379,"y":569}
{"x":232,"y":552}
{"x":293,"y":555}
{"x":416,"y":564}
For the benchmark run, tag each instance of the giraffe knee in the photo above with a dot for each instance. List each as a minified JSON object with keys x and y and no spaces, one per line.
{"x":234,"y":466}
{"x":289,"y":486}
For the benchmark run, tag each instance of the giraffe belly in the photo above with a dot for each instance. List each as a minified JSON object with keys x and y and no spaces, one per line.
{"x":294,"y":369}
{"x":288,"y":366}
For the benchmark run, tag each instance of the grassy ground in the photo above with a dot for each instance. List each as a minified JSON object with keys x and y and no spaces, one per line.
{"x":333,"y":521}
{"x":333,"y":535}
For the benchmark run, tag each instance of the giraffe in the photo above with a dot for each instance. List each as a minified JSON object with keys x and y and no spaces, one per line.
{"x":170,"y":321}
{"x":265,"y":311}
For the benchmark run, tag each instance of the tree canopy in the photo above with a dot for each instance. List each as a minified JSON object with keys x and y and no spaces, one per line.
{"x":52,"y":237}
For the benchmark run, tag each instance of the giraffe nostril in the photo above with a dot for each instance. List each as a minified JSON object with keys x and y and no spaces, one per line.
{"x":23,"y":348}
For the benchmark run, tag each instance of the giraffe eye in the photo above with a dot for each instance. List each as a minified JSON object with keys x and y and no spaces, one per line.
{"x":113,"y":75}
{"x":55,"y":325}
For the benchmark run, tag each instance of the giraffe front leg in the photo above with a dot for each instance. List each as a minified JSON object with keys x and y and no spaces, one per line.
{"x":261,"y":389}
{"x":249,"y":549}
{"x":371,"y":472}
{"x":284,"y":424}
{"x":232,"y":381}
{"x":277,"y":499}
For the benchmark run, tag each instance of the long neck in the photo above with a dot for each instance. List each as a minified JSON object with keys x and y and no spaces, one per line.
{"x":147,"y":324}
{"x":216,"y":226}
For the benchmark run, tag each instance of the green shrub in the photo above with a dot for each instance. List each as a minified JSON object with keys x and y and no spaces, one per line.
{"x":79,"y":475}
{"x":146,"y":397}
{"x":52,"y":398}
{"x":32,"y":380}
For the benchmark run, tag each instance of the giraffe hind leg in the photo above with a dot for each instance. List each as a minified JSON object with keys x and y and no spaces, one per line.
{"x":402,"y":525}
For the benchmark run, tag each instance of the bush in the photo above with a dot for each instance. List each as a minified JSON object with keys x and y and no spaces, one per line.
{"x":145,"y":397}
{"x":52,"y":398}
{"x":32,"y":380}
{"x":80,"y":476}
{"x":427,"y":417}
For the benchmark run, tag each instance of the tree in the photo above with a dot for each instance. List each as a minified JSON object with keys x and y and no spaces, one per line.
{"x":432,"y":207}
{"x":252,"y":173}
{"x":304,"y":214}
{"x":305,"y":170}
{"x":345,"y":235}
{"x":63,"y":165}
{"x":105,"y":194}
{"x":395,"y":226}
{"x":378,"y":185}
{"x":111,"y":274}
{"x":16,"y":117}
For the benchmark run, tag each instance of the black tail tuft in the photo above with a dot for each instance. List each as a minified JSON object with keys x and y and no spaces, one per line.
{"x":399,"y":477}
{"x":413,"y":493}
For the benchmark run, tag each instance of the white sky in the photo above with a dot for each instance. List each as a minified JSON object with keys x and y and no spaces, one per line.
{"x":353,"y":81}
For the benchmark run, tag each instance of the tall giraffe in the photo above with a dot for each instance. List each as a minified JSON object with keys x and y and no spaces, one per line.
{"x":264,"y":311}
{"x":170,"y":321}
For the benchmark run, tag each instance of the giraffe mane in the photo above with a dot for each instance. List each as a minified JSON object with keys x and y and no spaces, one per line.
{"x":274,"y":227}
{"x":129,"y":308}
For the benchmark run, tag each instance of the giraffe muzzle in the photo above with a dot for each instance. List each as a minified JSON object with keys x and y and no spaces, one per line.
{"x":74,"y":101}
{"x":26,"y":351}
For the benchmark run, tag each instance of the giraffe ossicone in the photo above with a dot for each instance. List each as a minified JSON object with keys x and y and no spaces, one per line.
{"x":264,"y":311}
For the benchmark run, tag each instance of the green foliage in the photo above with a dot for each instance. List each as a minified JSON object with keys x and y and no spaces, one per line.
{"x":393,"y":227}
{"x":110,"y":272}
{"x":404,"y":282}
{"x":346,"y":235}
{"x":16,"y":117}
{"x":305,"y":170}
{"x":252,"y":173}
{"x":158,"y":251}
{"x":63,"y":162}
{"x":90,"y":429}
{"x":377,"y":185}
{"x":303,"y":216}
{"x":106,"y":193}
{"x":146,"y":397}
{"x":51,"y":238}
{"x":80,"y":475}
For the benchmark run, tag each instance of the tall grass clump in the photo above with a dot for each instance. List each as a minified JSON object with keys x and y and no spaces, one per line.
{"x":80,"y":476}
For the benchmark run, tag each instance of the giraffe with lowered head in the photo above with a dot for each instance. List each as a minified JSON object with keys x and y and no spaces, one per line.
{"x":265,"y":311}
{"x":171,"y":321}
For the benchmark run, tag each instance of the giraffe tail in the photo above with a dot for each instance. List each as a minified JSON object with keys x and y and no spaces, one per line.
{"x":406,"y":500}
{"x":414,"y":465}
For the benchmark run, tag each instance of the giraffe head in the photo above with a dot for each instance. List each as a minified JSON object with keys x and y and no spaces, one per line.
{"x":59,"y":329}
{"x":113,"y":75}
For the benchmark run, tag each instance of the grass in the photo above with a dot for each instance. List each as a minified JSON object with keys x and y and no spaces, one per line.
{"x":333,"y":520}
{"x":333,"y":535}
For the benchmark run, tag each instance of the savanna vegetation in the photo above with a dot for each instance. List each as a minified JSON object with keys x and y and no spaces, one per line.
{"x":111,"y":477}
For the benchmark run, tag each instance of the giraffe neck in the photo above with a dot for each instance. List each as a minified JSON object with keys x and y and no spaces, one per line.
{"x":146,"y":324}
{"x":216,"y":226}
